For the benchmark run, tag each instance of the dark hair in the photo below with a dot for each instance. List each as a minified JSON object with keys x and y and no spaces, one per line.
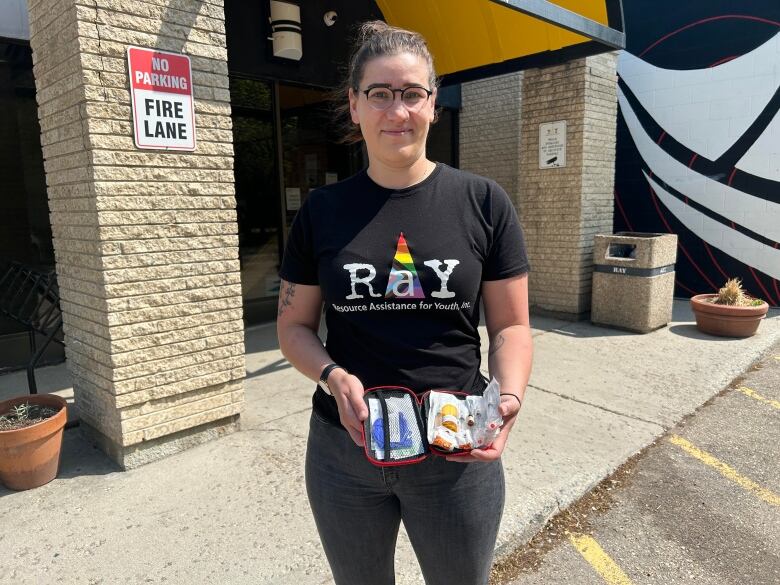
{"x":375,"y":39}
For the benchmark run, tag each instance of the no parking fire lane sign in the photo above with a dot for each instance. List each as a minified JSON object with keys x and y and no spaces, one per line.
{"x":161,"y":88}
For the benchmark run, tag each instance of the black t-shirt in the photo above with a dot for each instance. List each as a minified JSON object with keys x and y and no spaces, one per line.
{"x":400,"y":273}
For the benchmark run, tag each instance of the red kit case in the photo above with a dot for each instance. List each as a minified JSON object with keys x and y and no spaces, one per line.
{"x":395,"y":433}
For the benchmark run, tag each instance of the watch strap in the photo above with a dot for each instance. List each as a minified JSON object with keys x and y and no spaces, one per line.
{"x":323,"y":382}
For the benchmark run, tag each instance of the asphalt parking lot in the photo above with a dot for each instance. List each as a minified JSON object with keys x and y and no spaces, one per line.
{"x":701,"y":505}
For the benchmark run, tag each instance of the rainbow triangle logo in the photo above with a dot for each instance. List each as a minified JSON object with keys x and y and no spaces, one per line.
{"x":403,"y":282}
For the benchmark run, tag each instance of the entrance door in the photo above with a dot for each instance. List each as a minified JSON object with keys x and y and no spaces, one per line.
{"x":274,"y":122}
{"x":257,"y":195}
{"x":311,"y":153}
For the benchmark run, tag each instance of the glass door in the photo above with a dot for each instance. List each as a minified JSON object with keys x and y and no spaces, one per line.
{"x":257,"y":195}
{"x":275,"y":122}
{"x":311,"y":154}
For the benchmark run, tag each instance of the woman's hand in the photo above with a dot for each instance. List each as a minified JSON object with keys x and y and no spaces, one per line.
{"x":509,"y":409}
{"x":348,"y":392}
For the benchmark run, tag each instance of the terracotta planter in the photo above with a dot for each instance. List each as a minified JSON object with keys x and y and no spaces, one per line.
{"x":30,"y":457}
{"x":726,"y":320}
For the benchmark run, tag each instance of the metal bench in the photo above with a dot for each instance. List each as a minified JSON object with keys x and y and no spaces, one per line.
{"x":32,"y":298}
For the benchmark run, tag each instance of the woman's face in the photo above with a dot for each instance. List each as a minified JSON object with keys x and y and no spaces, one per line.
{"x":395,"y":136}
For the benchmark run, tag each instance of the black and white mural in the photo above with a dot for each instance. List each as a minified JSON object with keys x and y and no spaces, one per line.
{"x":698,"y":150}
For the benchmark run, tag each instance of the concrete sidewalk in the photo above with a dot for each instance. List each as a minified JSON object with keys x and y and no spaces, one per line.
{"x":235,"y":511}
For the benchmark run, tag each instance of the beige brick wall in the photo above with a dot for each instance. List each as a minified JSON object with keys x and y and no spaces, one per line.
{"x":145,"y":241}
{"x":563,"y":208}
{"x":490,"y":129}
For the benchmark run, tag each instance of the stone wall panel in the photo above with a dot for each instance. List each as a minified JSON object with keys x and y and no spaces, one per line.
{"x":206,"y":341}
{"x":131,"y":345}
{"x":176,"y":230}
{"x":171,"y":381}
{"x":127,"y":336}
{"x":192,"y":381}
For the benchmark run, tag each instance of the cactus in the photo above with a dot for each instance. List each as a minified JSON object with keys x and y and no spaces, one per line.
{"x":733,"y":294}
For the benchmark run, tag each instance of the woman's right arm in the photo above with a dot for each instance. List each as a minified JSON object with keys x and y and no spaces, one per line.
{"x":297,"y":323}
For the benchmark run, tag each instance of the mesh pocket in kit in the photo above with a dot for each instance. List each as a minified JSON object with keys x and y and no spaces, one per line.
{"x":394,"y":431}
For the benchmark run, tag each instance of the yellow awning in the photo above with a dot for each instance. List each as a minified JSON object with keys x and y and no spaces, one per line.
{"x":465,"y":36}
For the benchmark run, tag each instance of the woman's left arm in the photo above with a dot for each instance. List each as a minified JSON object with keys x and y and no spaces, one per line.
{"x":509,"y":355}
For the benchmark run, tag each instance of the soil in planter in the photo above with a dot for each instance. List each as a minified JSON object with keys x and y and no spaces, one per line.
{"x":25,"y":415}
{"x":748,"y":302}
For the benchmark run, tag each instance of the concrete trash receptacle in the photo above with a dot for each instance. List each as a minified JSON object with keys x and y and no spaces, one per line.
{"x":633,"y":280}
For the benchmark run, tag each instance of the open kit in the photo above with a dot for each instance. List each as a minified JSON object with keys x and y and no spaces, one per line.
{"x":403,"y":428}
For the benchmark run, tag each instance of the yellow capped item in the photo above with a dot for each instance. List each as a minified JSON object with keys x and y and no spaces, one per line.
{"x":449,"y":417}
{"x":449,"y":409}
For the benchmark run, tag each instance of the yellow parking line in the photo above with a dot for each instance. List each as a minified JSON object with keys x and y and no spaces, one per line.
{"x":599,"y":560}
{"x":753,"y":394}
{"x":727,"y":471}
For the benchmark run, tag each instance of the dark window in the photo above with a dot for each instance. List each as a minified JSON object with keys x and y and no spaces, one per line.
{"x":25,"y":231}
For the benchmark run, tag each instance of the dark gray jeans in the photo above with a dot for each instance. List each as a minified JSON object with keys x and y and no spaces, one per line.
{"x":451,"y":512}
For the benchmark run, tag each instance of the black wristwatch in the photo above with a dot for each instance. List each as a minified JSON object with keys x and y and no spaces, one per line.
{"x":323,"y":383}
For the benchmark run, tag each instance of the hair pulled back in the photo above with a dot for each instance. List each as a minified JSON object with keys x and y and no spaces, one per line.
{"x":376,"y":39}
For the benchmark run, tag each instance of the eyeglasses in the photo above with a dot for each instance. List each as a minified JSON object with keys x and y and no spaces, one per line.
{"x":413,"y":98}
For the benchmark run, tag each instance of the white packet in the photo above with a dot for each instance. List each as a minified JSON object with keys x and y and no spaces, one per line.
{"x":493,"y":420}
{"x":477,"y":423}
{"x":436,"y":402}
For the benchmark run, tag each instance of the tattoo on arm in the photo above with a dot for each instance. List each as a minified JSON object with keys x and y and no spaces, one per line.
{"x":496,"y":344}
{"x":285,"y":299}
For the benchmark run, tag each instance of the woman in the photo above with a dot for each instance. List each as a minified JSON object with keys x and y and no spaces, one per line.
{"x":401,"y":254}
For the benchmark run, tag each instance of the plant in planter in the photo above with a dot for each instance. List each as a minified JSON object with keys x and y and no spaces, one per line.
{"x":30,"y":439}
{"x":730,"y":312}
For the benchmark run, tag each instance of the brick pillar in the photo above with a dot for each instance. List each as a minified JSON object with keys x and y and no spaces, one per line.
{"x":563,"y":208}
{"x":145,"y":241}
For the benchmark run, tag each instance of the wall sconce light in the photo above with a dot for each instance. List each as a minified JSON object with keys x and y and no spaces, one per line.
{"x":286,"y":30}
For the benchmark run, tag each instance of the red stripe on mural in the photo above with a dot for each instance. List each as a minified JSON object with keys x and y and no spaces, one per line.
{"x":681,"y":285}
{"x":715,"y":262}
{"x":766,"y":292}
{"x":623,"y":213}
{"x":724,"y":60}
{"x":669,"y":230}
{"x":710,"y":19}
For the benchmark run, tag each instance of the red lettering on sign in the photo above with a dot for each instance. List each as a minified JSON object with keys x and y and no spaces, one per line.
{"x":159,"y":72}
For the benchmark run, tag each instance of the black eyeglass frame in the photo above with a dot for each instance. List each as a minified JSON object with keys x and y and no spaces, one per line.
{"x":401,"y":90}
